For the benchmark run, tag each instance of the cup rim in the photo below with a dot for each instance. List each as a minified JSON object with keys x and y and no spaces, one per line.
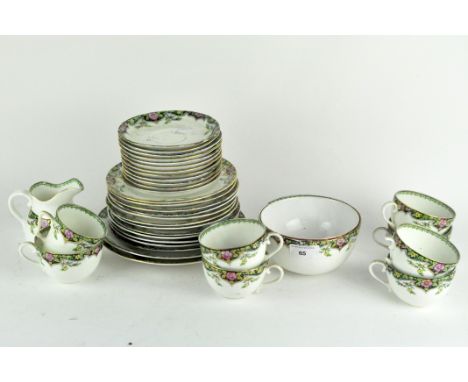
{"x":232,"y":221}
{"x":427,"y":197}
{"x":434,"y":234}
{"x":312,"y":196}
{"x":89,"y":213}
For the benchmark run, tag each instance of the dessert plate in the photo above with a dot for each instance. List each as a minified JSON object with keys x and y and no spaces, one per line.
{"x":169,"y":130}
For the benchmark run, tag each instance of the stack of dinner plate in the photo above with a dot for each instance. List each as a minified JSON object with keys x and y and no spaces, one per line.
{"x":163,"y":222}
{"x":170,"y":151}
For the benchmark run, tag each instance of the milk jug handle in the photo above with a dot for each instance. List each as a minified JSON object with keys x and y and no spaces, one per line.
{"x":11,"y":206}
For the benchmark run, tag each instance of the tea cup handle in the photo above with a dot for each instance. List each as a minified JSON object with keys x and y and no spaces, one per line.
{"x":384,"y":210}
{"x":383,"y":265}
{"x":280,"y":244}
{"x":277,"y":279}
{"x":387,"y":238}
{"x":14,"y":211}
{"x":24,"y":245}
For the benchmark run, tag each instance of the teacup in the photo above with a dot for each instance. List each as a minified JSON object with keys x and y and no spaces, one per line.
{"x":237,"y":244}
{"x":43,"y":196}
{"x":420,"y":252}
{"x":412,"y":207}
{"x":319,"y":232}
{"x":388,"y":231}
{"x":74,"y":229}
{"x":416,"y":291}
{"x":65,"y":268}
{"x":235,"y":285}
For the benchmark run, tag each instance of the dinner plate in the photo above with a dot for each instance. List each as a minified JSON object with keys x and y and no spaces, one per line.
{"x":169,"y":130}
{"x":174,"y":219}
{"x":181,"y":207}
{"x":118,"y":186}
{"x":165,"y":213}
{"x":147,"y":255}
{"x":153,"y":224}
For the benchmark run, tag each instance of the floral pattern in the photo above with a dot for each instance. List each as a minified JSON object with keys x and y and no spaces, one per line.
{"x":67,"y":261}
{"x":411,"y":284}
{"x":230,"y":277}
{"x":328,"y":245}
{"x":243,"y":253}
{"x":166,"y":117}
{"x":422,"y":264}
{"x":424,"y":220}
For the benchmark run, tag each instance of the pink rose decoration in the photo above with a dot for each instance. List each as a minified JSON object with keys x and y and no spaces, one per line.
{"x":68,"y":234}
{"x":439,"y":267}
{"x":426,"y":283}
{"x":226,"y":255}
{"x":153,"y":116}
{"x":341,"y":242}
{"x":442,"y":223}
{"x":49,"y":256}
{"x":44,"y":223}
{"x":231,"y":276}
{"x":97,"y":249}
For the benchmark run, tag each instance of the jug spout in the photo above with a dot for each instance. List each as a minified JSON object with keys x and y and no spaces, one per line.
{"x":67,"y":190}
{"x":48,"y":196}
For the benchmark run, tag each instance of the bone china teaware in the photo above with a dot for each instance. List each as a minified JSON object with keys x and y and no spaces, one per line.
{"x":416,"y":208}
{"x":74,"y":229}
{"x":416,"y":291}
{"x":418,"y":251}
{"x":237,"y":244}
{"x":65,"y":268}
{"x":235,"y":285}
{"x":43,"y":196}
{"x":319,"y":232}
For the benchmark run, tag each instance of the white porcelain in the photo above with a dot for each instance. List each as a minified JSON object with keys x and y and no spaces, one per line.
{"x":415,"y":291}
{"x":237,"y":244}
{"x":169,"y":130}
{"x":410,"y":207}
{"x":421,"y":252}
{"x":65,"y":269}
{"x":319,"y":232}
{"x":42,"y":196}
{"x":236,"y":285}
{"x":74,"y":229}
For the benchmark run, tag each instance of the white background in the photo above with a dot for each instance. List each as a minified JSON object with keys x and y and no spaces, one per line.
{"x":353,"y":118}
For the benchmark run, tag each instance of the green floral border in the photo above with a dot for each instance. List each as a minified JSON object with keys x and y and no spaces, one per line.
{"x":410,"y":283}
{"x":67,"y":261}
{"x":327,"y":245}
{"x":423,"y":219}
{"x":235,"y":252}
{"x":168,"y":116}
{"x":57,"y":185}
{"x":233,"y":277}
{"x":420,"y":262}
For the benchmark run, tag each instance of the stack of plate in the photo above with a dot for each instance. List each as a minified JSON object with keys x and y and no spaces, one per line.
{"x":161,"y":224}
{"x":170,"y":150}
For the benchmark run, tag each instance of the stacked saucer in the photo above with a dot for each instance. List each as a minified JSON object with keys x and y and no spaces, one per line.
{"x":156,"y":215}
{"x":170,"y":151}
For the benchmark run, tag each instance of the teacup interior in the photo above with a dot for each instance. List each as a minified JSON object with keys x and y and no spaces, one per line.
{"x":428,"y":244}
{"x":232,"y":234}
{"x":82,"y":222}
{"x":425,"y":204}
{"x":310,"y":217}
